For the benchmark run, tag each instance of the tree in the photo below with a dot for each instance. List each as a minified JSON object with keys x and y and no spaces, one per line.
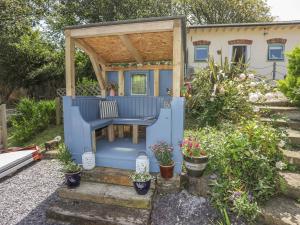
{"x":224,"y":11}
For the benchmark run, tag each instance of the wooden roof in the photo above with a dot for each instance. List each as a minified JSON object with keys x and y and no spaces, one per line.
{"x":140,"y":41}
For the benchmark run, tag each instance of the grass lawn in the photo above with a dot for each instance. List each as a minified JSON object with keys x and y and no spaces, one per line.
{"x":39,"y":139}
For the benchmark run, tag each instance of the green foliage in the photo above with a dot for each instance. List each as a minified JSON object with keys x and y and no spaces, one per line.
{"x":140,"y":177}
{"x":224,"y":11}
{"x":163,"y":153}
{"x":290,"y":86}
{"x":63,"y":154}
{"x":244,"y":158}
{"x":220,"y":93}
{"x":31,"y":118}
{"x":71,"y":167}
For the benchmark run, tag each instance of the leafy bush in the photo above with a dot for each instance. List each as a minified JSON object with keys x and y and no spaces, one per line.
{"x":244,"y":158}
{"x":290,"y":86}
{"x":221,"y":93}
{"x":31,"y":118}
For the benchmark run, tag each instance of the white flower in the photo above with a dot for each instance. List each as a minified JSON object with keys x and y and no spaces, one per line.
{"x":242,"y":76}
{"x":251,"y":76}
{"x":254,"y":97}
{"x":255,"y":109}
{"x":269,"y":96}
{"x":212,"y":99}
{"x":280,"y":165}
{"x":281,"y":144}
{"x":253,"y":84}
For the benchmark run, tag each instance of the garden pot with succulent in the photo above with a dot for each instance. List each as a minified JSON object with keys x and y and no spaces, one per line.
{"x":71,"y":169}
{"x":141,"y":182}
{"x":195,"y":158}
{"x":163,"y":153}
{"x":72,"y":174}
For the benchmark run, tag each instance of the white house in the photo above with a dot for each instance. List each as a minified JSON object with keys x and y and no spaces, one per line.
{"x":261,"y":45}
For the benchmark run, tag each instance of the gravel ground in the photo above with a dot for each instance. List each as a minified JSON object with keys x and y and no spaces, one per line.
{"x":185,"y":209}
{"x":27,"y":194}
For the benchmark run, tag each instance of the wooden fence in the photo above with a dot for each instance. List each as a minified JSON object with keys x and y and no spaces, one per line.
{"x":3,"y":127}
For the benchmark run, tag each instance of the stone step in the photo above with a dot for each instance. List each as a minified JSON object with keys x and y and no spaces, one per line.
{"x":109,"y":176}
{"x":292,"y":187}
{"x":292,"y":124}
{"x":279,"y":109}
{"x":279,"y":103}
{"x":281,"y":211}
{"x":83,"y":213}
{"x":108,"y":194}
{"x":292,"y":157}
{"x":294,"y":136}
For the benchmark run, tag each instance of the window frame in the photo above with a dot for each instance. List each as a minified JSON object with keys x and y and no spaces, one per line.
{"x":201,"y":46}
{"x":131,"y":83}
{"x":276,"y":45}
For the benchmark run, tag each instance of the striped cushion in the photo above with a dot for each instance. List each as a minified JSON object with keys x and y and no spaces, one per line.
{"x":108,"y":109}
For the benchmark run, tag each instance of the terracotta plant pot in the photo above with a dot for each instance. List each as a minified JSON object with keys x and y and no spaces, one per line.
{"x":142,"y":188}
{"x":195,"y":166}
{"x":167,"y":171}
{"x":73,"y":179}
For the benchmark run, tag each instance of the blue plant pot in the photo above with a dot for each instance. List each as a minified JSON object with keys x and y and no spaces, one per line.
{"x":142,"y":188}
{"x":73,"y":179}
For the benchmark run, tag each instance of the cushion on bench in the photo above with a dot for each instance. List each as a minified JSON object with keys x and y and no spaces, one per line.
{"x":108,"y":109}
{"x":97,"y":124}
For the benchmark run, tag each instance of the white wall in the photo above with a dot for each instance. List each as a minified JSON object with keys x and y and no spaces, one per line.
{"x":258,"y":59}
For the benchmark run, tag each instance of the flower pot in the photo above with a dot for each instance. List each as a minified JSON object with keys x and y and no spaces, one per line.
{"x":112,"y":92}
{"x":142,"y":188}
{"x":195,"y":166}
{"x":73,"y":179}
{"x":166,"y":171}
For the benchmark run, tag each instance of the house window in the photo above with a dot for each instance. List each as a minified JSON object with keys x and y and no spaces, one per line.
{"x":201,"y":53}
{"x":139,"y":84}
{"x":275,"y":52}
{"x":239,"y":53}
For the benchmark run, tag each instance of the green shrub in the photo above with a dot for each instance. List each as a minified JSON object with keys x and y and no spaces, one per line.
{"x":220,"y":93}
{"x":290,"y":86}
{"x":31,"y":118}
{"x":244,"y":158}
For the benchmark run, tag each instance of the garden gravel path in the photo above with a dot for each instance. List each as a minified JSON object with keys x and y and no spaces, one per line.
{"x":25,"y":196}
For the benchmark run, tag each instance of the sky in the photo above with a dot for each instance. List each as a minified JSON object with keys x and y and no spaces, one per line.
{"x":285,"y":9}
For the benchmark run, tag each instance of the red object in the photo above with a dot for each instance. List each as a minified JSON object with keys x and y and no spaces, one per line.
{"x":166,"y":171}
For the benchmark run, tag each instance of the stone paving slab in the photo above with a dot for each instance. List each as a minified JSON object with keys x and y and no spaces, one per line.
{"x":292,"y":188}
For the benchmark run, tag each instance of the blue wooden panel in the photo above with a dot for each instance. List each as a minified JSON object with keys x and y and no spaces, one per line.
{"x":165,"y":81}
{"x":112,"y":76}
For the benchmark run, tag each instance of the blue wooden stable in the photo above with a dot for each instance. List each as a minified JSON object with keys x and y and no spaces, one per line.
{"x":148,"y":93}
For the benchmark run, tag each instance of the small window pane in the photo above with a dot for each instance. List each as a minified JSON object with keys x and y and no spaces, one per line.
{"x":138,"y":84}
{"x":201,"y":53}
{"x":276,"y":52}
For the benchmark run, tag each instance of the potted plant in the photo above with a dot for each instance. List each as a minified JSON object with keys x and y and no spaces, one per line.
{"x":71,"y":169}
{"x":112,"y":88}
{"x":195,"y":158}
{"x":163,"y":153}
{"x":72,"y":174}
{"x":141,"y":182}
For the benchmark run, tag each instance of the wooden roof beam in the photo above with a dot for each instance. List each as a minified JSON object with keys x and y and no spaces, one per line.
{"x":133,"y":51}
{"x":88,"y":50}
{"x":144,"y":27}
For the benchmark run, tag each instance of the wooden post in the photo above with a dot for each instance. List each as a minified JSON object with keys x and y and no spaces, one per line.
{"x":178,"y":59}
{"x":121,"y":83}
{"x":156,"y":82}
{"x":70,"y":64}
{"x":94,"y":148}
{"x":135,"y":134}
{"x":58,"y":110}
{"x":120,"y":131}
{"x":3,"y":123}
{"x":111,"y":134}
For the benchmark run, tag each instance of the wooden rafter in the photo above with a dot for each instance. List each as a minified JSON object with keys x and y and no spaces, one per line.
{"x":80,"y":43}
{"x":133,"y":51}
{"x":155,"y":26}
